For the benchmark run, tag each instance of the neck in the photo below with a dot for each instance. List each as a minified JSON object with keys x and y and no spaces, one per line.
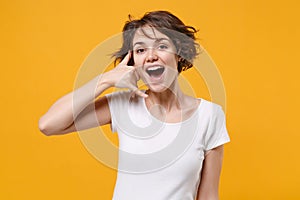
{"x":168,"y":99}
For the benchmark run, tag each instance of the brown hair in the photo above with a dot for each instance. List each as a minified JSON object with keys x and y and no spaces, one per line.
{"x":181,"y":35}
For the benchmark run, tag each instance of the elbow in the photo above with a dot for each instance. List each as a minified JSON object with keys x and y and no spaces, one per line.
{"x":44,"y":128}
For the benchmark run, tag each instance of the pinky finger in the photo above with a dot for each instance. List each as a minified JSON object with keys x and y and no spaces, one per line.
{"x":140,"y":93}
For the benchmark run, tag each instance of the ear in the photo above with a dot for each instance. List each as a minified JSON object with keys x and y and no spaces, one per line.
{"x":179,"y":58}
{"x":179,"y":52}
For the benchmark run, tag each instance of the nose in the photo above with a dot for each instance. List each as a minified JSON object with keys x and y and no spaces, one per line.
{"x":151,"y":55}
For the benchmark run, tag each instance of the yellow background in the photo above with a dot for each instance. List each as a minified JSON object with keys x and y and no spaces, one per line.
{"x":255,"y":45}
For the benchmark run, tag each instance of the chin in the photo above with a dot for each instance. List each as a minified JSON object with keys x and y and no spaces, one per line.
{"x":157,"y":88}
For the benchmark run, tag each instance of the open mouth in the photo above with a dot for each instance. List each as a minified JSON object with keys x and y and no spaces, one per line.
{"x":155,"y":71}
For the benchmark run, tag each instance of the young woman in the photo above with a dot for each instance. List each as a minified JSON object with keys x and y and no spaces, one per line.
{"x":170,"y":144}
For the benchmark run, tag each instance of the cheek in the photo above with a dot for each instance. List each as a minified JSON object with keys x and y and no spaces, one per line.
{"x":171,"y":60}
{"x":137,"y":61}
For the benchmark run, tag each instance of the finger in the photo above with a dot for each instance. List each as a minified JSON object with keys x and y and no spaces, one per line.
{"x":126,"y":58}
{"x":138,"y":92}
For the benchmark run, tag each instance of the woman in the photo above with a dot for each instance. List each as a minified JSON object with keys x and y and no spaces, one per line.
{"x":171,"y":144}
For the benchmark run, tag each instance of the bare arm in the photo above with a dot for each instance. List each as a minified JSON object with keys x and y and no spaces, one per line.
{"x":80,"y":106}
{"x":210,"y":176}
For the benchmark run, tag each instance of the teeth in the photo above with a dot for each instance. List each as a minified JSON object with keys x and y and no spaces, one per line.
{"x":154,"y":68}
{"x":155,"y":71}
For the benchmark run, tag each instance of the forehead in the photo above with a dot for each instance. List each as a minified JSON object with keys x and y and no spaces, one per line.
{"x":147,"y":34}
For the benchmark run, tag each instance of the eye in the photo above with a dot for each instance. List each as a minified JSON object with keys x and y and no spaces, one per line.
{"x":162,"y":47}
{"x":140,"y":50}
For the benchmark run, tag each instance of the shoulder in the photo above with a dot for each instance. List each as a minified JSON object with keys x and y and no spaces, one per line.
{"x":211,"y":108}
{"x":216,"y":134}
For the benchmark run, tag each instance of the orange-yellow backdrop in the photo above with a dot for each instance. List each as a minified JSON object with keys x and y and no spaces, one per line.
{"x":254,"y":43}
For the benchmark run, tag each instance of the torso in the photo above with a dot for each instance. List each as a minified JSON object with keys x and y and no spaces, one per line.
{"x":162,"y":160}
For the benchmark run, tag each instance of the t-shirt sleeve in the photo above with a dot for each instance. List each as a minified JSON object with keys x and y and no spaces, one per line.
{"x":116,"y":102}
{"x":111,"y":98}
{"x":217,"y":132}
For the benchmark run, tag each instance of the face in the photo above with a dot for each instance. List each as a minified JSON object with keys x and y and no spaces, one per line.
{"x":155,"y":58}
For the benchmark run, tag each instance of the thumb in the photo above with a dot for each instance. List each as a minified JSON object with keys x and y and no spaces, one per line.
{"x":126,"y":58}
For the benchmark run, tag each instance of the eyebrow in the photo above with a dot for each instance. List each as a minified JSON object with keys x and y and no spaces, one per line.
{"x":157,"y":40}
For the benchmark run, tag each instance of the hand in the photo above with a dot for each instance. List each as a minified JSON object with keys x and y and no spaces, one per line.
{"x":125,"y":76}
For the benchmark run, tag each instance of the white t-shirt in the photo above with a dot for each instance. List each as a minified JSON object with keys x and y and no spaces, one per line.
{"x":158,"y":160}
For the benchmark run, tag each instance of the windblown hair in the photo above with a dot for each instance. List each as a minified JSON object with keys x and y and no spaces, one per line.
{"x":182,"y":36}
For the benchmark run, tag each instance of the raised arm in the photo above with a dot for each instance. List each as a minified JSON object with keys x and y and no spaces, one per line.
{"x":59,"y":119}
{"x":80,"y":106}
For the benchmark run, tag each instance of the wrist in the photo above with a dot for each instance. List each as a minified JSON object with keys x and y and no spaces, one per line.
{"x":104,"y":81}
